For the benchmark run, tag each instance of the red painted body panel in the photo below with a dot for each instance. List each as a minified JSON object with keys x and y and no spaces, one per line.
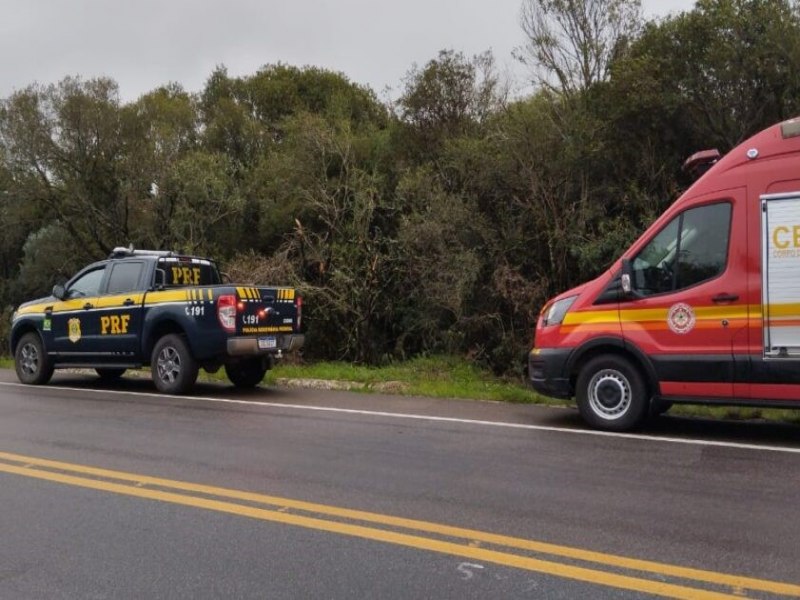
{"x":767,"y":163}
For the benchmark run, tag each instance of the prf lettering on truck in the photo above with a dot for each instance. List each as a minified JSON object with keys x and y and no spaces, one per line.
{"x":114,"y":324}
{"x":186,"y":275}
{"x":703,"y":308}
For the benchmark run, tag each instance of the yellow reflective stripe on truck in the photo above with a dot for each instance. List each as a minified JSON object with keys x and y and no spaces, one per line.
{"x":118,"y":300}
{"x":286,"y":295}
{"x":164,"y":296}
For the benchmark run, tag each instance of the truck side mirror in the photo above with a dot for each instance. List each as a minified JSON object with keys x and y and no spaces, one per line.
{"x":626,"y":279}
{"x":59,"y":292}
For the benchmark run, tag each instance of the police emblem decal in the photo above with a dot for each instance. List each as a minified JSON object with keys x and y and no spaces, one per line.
{"x":74,"y":326}
{"x":681,"y":318}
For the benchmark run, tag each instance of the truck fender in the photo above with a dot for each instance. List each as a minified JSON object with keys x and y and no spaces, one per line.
{"x":613,"y":345}
{"x":19,"y":329}
{"x":155,"y":329}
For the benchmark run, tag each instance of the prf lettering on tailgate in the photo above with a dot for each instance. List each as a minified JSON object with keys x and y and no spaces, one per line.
{"x":185,"y":275}
{"x":114,"y":324}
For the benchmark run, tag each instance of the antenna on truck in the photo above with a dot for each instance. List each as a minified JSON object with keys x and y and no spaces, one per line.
{"x":700,"y":162}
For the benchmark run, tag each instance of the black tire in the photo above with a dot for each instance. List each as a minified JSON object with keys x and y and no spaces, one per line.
{"x":31,"y":362}
{"x":110,"y":373}
{"x":247,"y":373}
{"x":174,"y":369}
{"x":612,"y":394}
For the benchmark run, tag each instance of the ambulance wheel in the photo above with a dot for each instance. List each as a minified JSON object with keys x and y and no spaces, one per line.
{"x":110,"y":374}
{"x":611,"y":394}
{"x":31,"y":362}
{"x":247,"y":373}
{"x":173,"y":367}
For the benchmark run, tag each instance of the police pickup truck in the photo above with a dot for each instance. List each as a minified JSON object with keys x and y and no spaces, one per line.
{"x":162,"y":309}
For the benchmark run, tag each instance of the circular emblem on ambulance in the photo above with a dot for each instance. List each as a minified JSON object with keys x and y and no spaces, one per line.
{"x":681,"y":318}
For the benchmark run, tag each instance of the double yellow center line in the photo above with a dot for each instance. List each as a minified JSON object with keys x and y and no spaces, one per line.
{"x":561,"y":561}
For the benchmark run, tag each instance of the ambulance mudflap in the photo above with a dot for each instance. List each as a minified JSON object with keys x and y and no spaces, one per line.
{"x":780,"y":226}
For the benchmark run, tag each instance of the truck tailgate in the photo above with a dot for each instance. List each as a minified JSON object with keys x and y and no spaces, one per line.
{"x":266,"y":310}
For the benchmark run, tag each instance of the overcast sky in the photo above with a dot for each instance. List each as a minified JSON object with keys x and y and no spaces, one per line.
{"x":145,"y":43}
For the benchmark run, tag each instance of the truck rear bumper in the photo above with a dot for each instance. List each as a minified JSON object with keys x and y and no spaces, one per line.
{"x":248,"y":346}
{"x":546,"y":372}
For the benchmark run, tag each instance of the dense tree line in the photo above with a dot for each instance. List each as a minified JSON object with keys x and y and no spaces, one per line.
{"x":440,"y":223}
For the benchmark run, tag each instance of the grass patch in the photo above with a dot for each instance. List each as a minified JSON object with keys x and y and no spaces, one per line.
{"x":6,"y":362}
{"x":736,"y":413}
{"x":438,"y":377}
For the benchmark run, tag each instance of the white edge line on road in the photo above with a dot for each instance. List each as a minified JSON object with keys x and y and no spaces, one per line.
{"x":432,"y":418}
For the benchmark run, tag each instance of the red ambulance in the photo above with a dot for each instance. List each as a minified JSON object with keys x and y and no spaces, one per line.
{"x":702,"y":308}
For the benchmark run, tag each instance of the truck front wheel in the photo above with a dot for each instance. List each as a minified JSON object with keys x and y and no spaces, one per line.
{"x":32,"y":364}
{"x":247,"y":373}
{"x":611,"y":394}
{"x":173,"y":367}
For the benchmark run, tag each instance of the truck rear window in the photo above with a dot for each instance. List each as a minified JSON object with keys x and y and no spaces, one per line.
{"x":181,"y":272}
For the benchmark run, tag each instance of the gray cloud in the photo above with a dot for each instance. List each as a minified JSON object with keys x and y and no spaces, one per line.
{"x":147,"y":43}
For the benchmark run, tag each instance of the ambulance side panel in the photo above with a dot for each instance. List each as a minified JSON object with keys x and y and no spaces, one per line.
{"x":774,"y":370}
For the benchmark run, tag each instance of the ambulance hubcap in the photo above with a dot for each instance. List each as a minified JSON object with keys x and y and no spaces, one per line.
{"x":168,"y":365}
{"x":29,"y":359}
{"x":609,"y":394}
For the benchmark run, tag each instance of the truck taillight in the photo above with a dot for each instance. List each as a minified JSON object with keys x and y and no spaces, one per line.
{"x":298,"y":302}
{"x":226,"y":312}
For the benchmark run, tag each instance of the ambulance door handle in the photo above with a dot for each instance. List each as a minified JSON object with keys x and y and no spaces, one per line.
{"x":128,"y":302}
{"x":725,"y":298}
{"x":88,"y":305}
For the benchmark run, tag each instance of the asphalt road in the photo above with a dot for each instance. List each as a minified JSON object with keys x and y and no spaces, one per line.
{"x":118,"y":492}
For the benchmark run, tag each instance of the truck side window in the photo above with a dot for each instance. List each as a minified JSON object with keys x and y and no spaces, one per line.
{"x":124,"y":277}
{"x":691,"y":249}
{"x":87,"y":285}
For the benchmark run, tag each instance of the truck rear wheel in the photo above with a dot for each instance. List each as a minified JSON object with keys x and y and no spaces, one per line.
{"x":611,"y":394}
{"x":247,"y":373}
{"x":173,"y":367}
{"x":31,"y":362}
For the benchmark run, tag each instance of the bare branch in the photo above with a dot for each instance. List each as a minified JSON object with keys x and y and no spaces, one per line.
{"x":571,"y":43}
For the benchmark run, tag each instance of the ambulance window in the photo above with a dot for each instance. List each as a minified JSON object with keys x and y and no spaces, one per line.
{"x":704,"y":244}
{"x":691,"y":249}
{"x":124,"y":277}
{"x":87,"y":284}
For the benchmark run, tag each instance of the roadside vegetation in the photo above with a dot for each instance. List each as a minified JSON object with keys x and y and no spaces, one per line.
{"x":435,"y":223}
{"x":440,"y":377}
